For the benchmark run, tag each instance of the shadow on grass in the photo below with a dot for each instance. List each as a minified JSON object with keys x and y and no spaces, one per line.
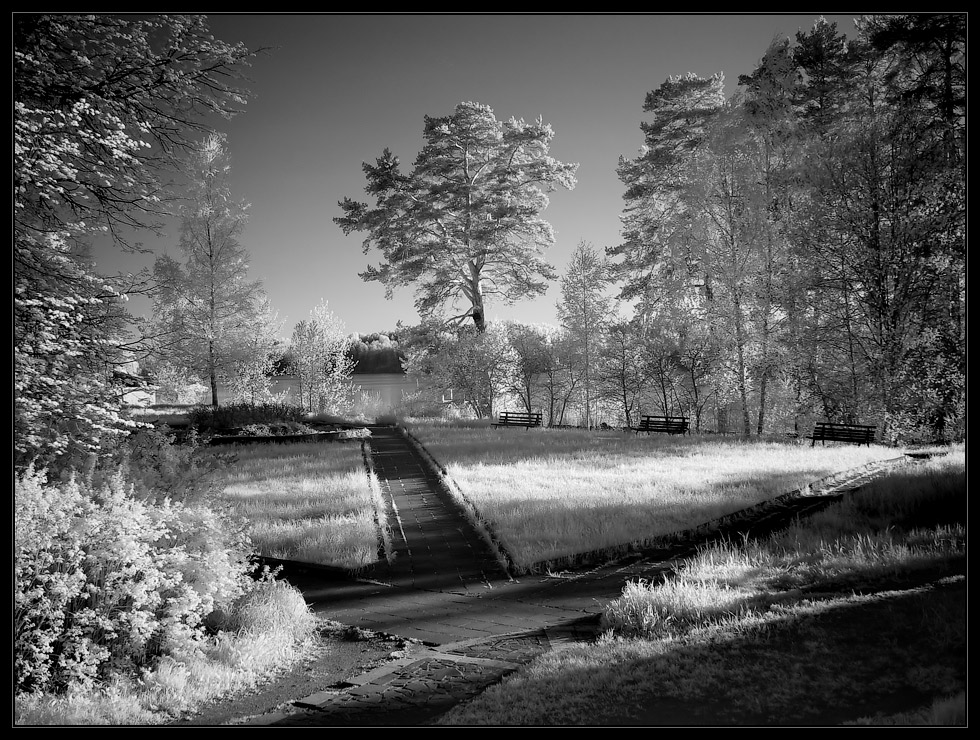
{"x":821,"y":663}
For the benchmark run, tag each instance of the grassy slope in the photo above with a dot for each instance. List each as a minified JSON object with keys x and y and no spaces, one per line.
{"x":865,"y":627}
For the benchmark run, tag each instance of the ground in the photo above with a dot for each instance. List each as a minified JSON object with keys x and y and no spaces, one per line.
{"x":338,"y":654}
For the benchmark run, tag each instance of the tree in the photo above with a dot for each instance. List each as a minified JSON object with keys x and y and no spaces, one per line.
{"x":884,"y":226}
{"x":208,"y":309}
{"x":464,"y":224}
{"x":477,"y":367}
{"x":102,"y":107}
{"x":68,"y":328}
{"x":653,"y":260}
{"x":252,"y":381}
{"x":560,"y":378}
{"x":622,"y":367}
{"x":528,"y":348}
{"x":322,"y":361}
{"x":584,"y":311}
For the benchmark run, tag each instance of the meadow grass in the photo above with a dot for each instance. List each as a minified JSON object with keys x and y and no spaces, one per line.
{"x":551,"y":495}
{"x":310,"y":502}
{"x":854,"y":616}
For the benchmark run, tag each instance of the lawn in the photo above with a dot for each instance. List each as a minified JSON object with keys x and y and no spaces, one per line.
{"x":310,"y":502}
{"x":856,"y":616}
{"x":550,"y":495}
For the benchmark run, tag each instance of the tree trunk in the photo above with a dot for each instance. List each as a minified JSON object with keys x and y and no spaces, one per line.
{"x":740,"y":354}
{"x":212,"y":375}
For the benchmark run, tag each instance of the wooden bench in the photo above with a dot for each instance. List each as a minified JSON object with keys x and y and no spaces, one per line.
{"x":860,"y":434}
{"x":666,"y":424}
{"x":518,"y":419}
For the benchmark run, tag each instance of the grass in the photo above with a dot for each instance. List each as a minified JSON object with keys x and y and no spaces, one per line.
{"x":309,"y":502}
{"x":855,"y":616}
{"x":549,"y":496}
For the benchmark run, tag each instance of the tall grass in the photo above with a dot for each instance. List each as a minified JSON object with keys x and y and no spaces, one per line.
{"x":551,"y":495}
{"x":844,"y":618}
{"x":310,"y":502}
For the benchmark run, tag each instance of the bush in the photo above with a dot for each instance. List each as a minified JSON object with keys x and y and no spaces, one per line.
{"x":108,"y":584}
{"x":157,"y":467}
{"x":276,"y":429}
{"x":211,"y":419}
{"x":271,"y":607}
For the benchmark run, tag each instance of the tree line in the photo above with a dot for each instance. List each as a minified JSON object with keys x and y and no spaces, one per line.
{"x":794,"y":249}
{"x":806,"y":237}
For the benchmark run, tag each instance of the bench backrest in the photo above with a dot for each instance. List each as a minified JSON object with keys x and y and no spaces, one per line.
{"x":844,"y":432}
{"x":520,"y":417}
{"x":667,"y":421}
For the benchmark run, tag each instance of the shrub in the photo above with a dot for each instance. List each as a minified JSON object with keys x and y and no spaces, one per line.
{"x":276,"y":429}
{"x":209,"y":418}
{"x":157,"y":467}
{"x":107,"y":584}
{"x":271,"y":607}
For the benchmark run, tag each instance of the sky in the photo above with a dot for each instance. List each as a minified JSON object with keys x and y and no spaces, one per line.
{"x":335,"y":90}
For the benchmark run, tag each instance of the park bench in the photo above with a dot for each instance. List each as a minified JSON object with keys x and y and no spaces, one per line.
{"x":666,"y":424}
{"x":825,"y":431}
{"x":518,"y":419}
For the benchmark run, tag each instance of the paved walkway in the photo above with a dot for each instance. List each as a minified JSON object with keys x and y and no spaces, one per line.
{"x":446,"y":587}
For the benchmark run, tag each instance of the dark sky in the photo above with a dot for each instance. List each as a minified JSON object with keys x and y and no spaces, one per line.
{"x":338,"y":89}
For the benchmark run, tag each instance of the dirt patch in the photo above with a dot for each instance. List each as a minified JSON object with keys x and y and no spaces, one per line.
{"x":339,"y":654}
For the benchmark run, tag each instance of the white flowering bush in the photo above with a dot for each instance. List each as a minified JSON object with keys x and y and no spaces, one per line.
{"x":107,"y":584}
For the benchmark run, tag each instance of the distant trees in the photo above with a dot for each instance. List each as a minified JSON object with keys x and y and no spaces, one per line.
{"x":464,"y":224}
{"x":210,"y":317}
{"x":378,"y":352}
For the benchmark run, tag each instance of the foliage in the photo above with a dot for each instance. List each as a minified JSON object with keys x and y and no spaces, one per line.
{"x":321,"y":356}
{"x":814,"y":226}
{"x":585,"y":311}
{"x":65,"y":331}
{"x":209,"y":317}
{"x":107,"y":584}
{"x":256,"y":367}
{"x":473,"y":368}
{"x":212,"y":419}
{"x":156,"y":467}
{"x":276,"y":429}
{"x":529,"y":360}
{"x":103,"y":104}
{"x":464,"y":224}
{"x":176,"y":384}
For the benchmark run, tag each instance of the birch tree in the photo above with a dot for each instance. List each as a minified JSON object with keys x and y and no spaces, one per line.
{"x":208,"y":308}
{"x":585,"y":310}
